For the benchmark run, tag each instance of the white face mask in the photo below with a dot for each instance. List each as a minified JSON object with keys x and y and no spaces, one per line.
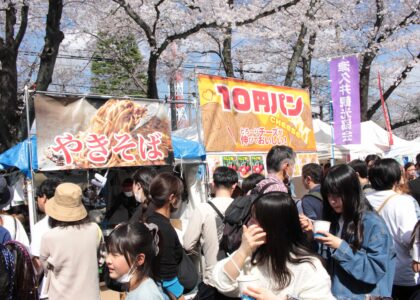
{"x":138,"y":197}
{"x":125,"y":278}
{"x":128,"y":194}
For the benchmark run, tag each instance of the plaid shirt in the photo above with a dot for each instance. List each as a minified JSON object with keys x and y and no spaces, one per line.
{"x":279,"y":186}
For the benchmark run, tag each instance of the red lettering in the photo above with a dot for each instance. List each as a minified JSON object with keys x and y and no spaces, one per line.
{"x":142,"y":147}
{"x":155,"y":139}
{"x":241,"y":101}
{"x":98,"y":148}
{"x":298,"y":106}
{"x":273,"y":103}
{"x":261,"y":98}
{"x":224,"y":92}
{"x":66,"y":144}
{"x":125,"y":143}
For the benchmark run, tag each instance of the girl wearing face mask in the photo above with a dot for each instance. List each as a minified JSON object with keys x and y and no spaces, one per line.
{"x":133,"y":255}
{"x":358,"y":247}
{"x":141,"y":183}
{"x":165,"y":197}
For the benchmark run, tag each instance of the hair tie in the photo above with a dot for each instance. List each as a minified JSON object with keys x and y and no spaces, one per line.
{"x":153,"y":228}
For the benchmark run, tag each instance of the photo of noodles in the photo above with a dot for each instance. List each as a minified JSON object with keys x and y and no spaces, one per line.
{"x":117,"y":117}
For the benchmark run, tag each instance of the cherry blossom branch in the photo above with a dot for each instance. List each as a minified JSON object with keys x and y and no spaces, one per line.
{"x":371,"y":111}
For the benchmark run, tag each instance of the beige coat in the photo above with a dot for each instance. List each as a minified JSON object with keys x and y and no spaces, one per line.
{"x":202,"y":229}
{"x":69,"y":259}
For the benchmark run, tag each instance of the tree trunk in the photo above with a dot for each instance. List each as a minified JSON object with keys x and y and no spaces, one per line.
{"x":174,"y":120}
{"x":9,"y":47}
{"x":364,"y":84}
{"x":307,"y":62}
{"x":227,"y":53}
{"x":297,"y":53}
{"x":53,"y":38}
{"x":152,"y":91}
{"x":9,"y":117}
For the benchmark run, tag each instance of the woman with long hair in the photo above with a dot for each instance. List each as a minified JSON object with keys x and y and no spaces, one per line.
{"x":133,"y":259}
{"x":69,"y":250}
{"x":359,"y":251}
{"x":274,"y":250}
{"x":165,"y":197}
{"x":17,"y":278}
{"x":142,"y":178}
{"x":399,"y":213}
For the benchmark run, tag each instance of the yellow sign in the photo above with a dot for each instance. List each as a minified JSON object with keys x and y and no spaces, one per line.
{"x":240,"y":116}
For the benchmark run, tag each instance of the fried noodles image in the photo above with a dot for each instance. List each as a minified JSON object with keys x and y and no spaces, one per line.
{"x":118,"y":117}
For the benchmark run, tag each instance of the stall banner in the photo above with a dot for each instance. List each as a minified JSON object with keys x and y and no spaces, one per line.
{"x":344,"y":74}
{"x":83,"y":133}
{"x":241,"y":116}
{"x":246,"y":164}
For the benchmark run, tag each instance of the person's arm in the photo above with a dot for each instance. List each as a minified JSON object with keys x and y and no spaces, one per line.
{"x":226,"y":271}
{"x":44,"y":253}
{"x":6,"y":235}
{"x":210,"y":242}
{"x":368,"y":264}
{"x":36,"y":249}
{"x":21,"y":235}
{"x":252,"y":237}
{"x":406,"y":220}
{"x":193,"y":232}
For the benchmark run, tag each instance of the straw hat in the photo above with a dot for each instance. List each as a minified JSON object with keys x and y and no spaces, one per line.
{"x":66,"y":205}
{"x":6,"y":193}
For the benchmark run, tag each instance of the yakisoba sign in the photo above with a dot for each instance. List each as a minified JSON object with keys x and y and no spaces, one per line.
{"x":240,"y":115}
{"x":81,"y":133}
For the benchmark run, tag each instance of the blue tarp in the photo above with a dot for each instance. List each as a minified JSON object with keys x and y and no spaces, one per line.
{"x":186,"y":149}
{"x":18,"y":156}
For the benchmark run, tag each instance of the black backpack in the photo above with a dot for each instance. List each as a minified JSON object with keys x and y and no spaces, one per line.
{"x":316,"y":195}
{"x":237,"y":214}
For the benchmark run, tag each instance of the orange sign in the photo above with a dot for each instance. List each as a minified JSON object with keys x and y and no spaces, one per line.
{"x":240,"y":116}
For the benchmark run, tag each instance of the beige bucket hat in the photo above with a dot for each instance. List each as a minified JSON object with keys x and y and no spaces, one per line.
{"x":66,"y":205}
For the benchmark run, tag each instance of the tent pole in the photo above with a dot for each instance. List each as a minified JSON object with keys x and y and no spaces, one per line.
{"x":30,"y":184}
{"x":332,"y":134}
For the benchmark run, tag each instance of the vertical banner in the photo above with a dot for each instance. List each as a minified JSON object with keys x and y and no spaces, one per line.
{"x":344,"y":74}
{"x":386,"y":114}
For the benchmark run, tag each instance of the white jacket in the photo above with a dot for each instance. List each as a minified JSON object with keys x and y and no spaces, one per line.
{"x":400,"y":217}
{"x":308,"y":281}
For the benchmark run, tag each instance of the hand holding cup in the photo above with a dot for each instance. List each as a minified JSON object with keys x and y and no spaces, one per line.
{"x":328,"y":239}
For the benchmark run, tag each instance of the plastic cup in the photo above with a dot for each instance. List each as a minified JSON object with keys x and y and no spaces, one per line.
{"x":321,"y":226}
{"x":245,"y":281}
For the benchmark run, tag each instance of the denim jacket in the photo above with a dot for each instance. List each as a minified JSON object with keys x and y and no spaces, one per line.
{"x":368,"y":271}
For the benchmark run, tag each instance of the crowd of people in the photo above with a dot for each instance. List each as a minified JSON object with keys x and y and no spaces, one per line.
{"x":369,"y":249}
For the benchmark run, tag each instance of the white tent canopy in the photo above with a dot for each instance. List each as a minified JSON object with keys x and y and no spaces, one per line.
{"x":374,"y":140}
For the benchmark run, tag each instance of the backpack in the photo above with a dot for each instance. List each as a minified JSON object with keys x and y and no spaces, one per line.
{"x":237,"y":214}
{"x":316,"y":195}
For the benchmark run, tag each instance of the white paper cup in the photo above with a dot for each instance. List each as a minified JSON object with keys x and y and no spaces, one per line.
{"x":321,"y":226}
{"x":245,"y":281}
